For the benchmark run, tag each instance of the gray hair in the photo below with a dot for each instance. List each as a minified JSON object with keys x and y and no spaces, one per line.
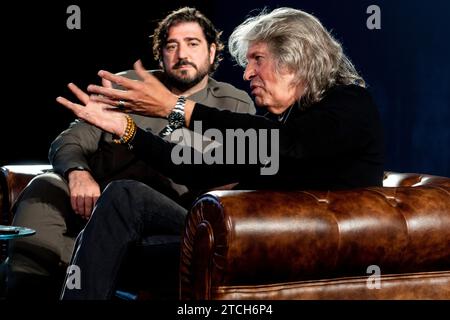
{"x":301,"y":44}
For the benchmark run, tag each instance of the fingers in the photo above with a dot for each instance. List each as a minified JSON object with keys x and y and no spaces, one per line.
{"x":104,"y":100}
{"x":80,"y":94}
{"x":80,"y":205}
{"x":83,"y":205}
{"x":88,"y":206}
{"x":140,"y":70}
{"x":94,"y":199}
{"x":77,"y":203}
{"x":106,"y":83}
{"x":119,"y":80}
{"x":110,"y":93}
{"x":74,"y":107}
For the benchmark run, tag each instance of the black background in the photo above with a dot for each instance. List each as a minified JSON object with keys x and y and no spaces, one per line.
{"x":405,"y":64}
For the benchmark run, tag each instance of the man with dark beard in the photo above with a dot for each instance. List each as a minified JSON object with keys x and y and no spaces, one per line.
{"x":85,"y":159}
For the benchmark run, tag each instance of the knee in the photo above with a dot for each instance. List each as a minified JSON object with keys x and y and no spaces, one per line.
{"x":130,"y":188}
{"x":122,"y":196}
{"x":45,"y":201}
{"x":46,"y":186}
{"x":118,"y":189}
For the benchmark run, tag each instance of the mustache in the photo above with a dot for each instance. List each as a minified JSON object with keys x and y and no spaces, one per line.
{"x":183,"y":62}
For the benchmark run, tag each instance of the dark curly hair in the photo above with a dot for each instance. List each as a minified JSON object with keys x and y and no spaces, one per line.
{"x":187,"y":14}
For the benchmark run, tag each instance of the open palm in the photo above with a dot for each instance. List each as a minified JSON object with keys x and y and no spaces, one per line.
{"x":101,"y":115}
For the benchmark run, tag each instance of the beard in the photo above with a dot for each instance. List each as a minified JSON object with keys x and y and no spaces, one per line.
{"x":183,"y":81}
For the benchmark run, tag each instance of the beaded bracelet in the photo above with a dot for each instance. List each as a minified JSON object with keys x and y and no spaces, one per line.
{"x":130,"y":131}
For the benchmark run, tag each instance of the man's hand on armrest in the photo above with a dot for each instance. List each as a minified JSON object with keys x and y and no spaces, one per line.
{"x":84,"y":192}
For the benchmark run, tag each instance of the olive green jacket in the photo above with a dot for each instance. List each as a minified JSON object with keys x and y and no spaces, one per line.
{"x":87,"y":147}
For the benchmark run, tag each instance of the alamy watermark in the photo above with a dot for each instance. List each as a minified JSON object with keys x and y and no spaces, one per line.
{"x":241,"y":147}
{"x":374,"y":280}
{"x":74,"y":20}
{"x":73,"y":279}
{"x":374,"y":20}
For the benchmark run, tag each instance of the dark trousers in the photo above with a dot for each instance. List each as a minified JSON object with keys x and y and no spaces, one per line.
{"x":126,"y":213}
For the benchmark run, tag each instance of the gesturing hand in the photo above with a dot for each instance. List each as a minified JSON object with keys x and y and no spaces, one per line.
{"x":148,"y":97}
{"x":104,"y":116}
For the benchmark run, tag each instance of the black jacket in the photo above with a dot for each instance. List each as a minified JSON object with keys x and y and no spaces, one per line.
{"x":333,"y":144}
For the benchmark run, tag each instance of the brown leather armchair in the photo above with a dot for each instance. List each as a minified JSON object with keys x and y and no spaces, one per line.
{"x":308,"y":244}
{"x":321,"y":245}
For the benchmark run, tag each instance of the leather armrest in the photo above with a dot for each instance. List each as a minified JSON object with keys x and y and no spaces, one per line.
{"x":396,"y":179}
{"x":235,"y":238}
{"x":13,"y":179}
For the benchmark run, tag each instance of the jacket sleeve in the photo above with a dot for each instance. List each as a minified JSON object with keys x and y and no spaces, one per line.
{"x":336,"y":128}
{"x":165,"y":157}
{"x":73,"y":147}
{"x":324,"y":131}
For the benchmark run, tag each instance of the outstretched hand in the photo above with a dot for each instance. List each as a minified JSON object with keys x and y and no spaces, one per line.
{"x":102,"y":115}
{"x":147,"y":97}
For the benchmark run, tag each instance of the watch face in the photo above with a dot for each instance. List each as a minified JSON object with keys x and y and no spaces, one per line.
{"x":176,"y":119}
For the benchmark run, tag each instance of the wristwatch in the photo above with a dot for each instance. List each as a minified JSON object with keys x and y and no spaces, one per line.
{"x":176,"y":118}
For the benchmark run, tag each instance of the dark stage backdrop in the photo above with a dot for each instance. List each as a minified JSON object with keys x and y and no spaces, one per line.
{"x":405,"y":64}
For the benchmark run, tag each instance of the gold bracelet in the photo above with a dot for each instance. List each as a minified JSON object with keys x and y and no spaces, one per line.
{"x":130,"y":131}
